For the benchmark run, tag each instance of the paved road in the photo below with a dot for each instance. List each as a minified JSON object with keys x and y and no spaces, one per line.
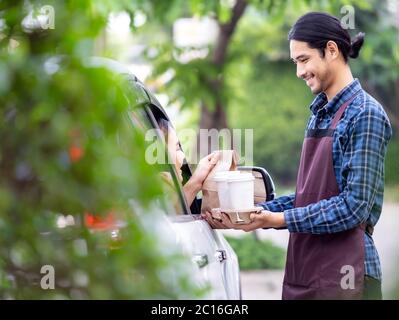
{"x":261,"y":284}
{"x":266,"y":284}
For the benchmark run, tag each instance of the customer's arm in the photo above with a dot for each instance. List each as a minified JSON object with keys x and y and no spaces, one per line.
{"x":194,"y":184}
{"x":190,"y":189}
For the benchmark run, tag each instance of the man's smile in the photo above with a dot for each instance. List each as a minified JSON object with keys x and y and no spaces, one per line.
{"x":308,"y":79}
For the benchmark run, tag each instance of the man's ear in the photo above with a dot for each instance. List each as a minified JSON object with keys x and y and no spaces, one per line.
{"x":331,"y":50}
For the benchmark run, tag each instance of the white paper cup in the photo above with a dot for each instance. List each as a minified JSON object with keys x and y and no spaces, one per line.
{"x":241,"y":191}
{"x":222,"y":179}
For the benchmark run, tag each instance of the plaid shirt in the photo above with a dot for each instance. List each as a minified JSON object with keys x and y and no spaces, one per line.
{"x":359,"y":147}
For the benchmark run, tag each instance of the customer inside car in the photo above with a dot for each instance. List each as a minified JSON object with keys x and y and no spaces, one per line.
{"x":177,"y":157}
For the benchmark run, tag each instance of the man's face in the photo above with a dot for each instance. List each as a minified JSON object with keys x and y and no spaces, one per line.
{"x":310,"y":66}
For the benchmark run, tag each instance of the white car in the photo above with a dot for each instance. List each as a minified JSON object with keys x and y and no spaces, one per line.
{"x":213,"y":262}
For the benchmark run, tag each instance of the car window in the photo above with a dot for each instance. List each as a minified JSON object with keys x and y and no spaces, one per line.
{"x":140,"y":96}
{"x":184,"y":171}
{"x":169,"y":177}
{"x":171,"y":168}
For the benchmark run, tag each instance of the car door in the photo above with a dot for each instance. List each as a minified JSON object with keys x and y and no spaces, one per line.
{"x":216,"y":261}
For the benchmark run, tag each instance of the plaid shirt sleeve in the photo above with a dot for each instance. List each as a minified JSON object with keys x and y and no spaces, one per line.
{"x":362,"y":173}
{"x":279,"y":204}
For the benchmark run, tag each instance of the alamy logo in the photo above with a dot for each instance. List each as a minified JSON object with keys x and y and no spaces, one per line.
{"x":348,"y":280}
{"x":43,"y":18}
{"x":48,"y":280}
{"x":49,"y":17}
{"x":348,"y":20}
{"x":240,"y":140}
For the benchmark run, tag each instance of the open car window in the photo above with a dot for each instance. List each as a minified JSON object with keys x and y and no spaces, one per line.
{"x":185,"y":172}
{"x":173,"y":195}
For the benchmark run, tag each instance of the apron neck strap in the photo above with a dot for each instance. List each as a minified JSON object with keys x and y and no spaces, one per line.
{"x":341,"y":111}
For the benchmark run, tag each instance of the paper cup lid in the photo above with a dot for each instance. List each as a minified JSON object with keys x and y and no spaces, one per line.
{"x":225,"y":175}
{"x":241,"y":177}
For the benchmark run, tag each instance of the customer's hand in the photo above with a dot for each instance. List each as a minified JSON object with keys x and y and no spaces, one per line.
{"x":205,"y":166}
{"x":194,"y":184}
{"x":213,"y":222}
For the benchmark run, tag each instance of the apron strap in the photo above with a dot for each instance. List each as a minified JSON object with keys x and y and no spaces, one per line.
{"x":341,"y":111}
{"x":370,"y":229}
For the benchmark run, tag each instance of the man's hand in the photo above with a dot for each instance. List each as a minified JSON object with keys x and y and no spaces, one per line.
{"x":264,"y":219}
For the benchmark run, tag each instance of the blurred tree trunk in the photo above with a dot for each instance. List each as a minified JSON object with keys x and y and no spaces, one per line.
{"x":226,"y":31}
{"x":214,"y":117}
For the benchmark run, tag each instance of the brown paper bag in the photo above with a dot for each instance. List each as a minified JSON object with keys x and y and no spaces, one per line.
{"x":228,"y":160}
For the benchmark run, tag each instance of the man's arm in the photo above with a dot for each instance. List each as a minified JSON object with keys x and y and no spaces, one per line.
{"x":279,"y":204}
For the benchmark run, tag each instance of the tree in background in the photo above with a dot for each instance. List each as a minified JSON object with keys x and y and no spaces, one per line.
{"x":380,"y":56}
{"x":203,"y":83}
{"x":68,"y":157}
{"x":220,"y":88}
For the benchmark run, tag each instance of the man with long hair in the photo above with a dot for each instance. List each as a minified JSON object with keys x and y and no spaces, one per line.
{"x":340,"y":182}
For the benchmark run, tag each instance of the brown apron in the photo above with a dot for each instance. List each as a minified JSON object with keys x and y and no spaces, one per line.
{"x":315,"y":261}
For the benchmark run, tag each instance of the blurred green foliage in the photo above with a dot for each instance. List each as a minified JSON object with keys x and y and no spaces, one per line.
{"x":274,"y":105}
{"x":205,"y":81}
{"x":257,"y":254}
{"x":392,"y":163}
{"x":67,"y":149}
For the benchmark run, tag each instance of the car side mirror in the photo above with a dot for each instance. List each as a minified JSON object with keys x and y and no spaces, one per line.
{"x":264,"y":185}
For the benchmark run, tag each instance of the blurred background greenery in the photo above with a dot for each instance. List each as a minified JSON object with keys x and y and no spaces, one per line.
{"x":244,"y":79}
{"x":241,"y":78}
{"x":67,"y":157}
{"x":257,"y":255}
